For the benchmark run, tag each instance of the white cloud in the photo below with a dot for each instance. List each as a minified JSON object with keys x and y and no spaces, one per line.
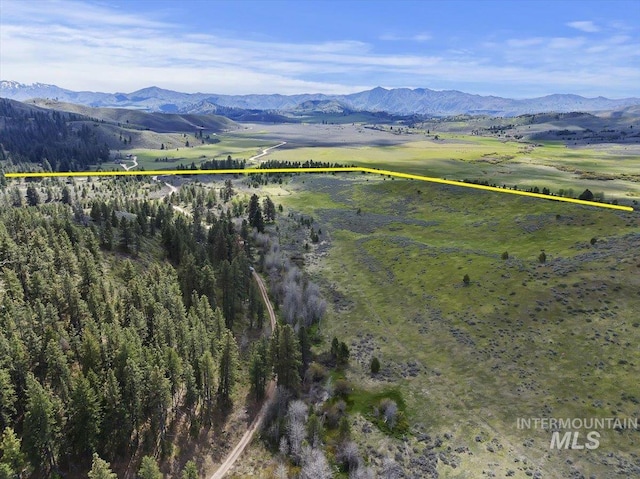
{"x":422,"y":37}
{"x":101,"y":48}
{"x":619,"y":39}
{"x":597,"y":49}
{"x":563,"y":43}
{"x":418,"y":37}
{"x":584,"y":26}
{"x":524,"y":42}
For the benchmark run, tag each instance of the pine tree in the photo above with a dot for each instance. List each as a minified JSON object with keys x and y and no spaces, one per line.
{"x":33,"y":197}
{"x":343,"y":354}
{"x":41,"y":426}
{"x":269,"y":209}
{"x":228,"y":294}
{"x":58,"y":372}
{"x":260,"y":315}
{"x":113,"y":413}
{"x":258,"y":220}
{"x":314,"y":430}
{"x":305,"y":349}
{"x":228,"y":365}
{"x":253,"y":208}
{"x":149,"y":469}
{"x":254,"y":299}
{"x":106,"y":236}
{"x":11,"y":457}
{"x":287,"y":359}
{"x":157,"y":399}
{"x":190,"y":471}
{"x":7,"y":399}
{"x":100,"y":469}
{"x":191,"y":388}
{"x":85,"y":416}
{"x":335,"y":347}
{"x":259,"y":368}
{"x":207,"y":377}
{"x":255,"y":214}
{"x":126,"y":235}
{"x":66,"y":196}
{"x":174,"y":371}
{"x":375,"y":366}
{"x":228,"y":191}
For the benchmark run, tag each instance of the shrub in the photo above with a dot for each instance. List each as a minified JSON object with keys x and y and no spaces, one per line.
{"x":333,"y":413}
{"x":344,"y":428}
{"x":375,"y":366}
{"x":342,"y":388}
{"x":542,"y":257}
{"x":505,"y":255}
{"x":316,"y":373}
{"x":343,"y":354}
{"x":466,"y":280}
{"x":586,"y":195}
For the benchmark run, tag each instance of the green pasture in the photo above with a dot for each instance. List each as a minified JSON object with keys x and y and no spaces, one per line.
{"x":550,"y":165}
{"x":506,"y":345}
{"x":237,"y":147}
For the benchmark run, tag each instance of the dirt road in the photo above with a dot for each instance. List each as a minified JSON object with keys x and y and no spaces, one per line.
{"x":237,"y":451}
{"x":135,"y":163}
{"x":266,"y":151}
{"x":265,"y":297}
{"x":270,"y":391}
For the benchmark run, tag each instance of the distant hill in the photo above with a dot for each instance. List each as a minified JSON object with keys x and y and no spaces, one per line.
{"x":154,"y":121}
{"x":207,"y":107}
{"x":64,"y":136}
{"x":322,"y":106}
{"x":57,"y":141}
{"x":398,"y":101}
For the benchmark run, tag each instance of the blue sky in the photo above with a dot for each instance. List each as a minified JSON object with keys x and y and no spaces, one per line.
{"x":511,"y":48}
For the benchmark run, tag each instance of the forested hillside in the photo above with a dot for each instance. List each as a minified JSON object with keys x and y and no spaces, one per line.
{"x":103,"y":351}
{"x":52,"y":136}
{"x":47,"y":138}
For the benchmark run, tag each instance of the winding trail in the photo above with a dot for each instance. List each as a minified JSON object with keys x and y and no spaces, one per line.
{"x":135,"y":163}
{"x":239,"y":448}
{"x":265,"y":151}
{"x":270,"y":390}
{"x":176,"y":207}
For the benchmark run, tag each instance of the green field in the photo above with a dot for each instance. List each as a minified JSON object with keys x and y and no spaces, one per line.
{"x":523,"y":339}
{"x":550,"y":165}
{"x":237,"y":147}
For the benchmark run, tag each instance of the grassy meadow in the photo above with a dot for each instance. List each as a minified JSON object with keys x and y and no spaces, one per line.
{"x":523,"y":339}
{"x":178,"y":155}
{"x":612,"y":170}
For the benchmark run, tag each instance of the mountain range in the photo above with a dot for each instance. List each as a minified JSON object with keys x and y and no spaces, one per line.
{"x":397,"y":101}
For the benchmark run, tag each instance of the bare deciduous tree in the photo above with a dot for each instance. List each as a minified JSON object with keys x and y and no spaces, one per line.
{"x":349,"y":456}
{"x":314,"y":464}
{"x":362,"y":472}
{"x":281,"y":472}
{"x":389,"y":409}
{"x":390,"y":469}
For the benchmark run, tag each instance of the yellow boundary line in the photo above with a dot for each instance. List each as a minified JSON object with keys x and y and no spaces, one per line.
{"x":346,"y":169}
